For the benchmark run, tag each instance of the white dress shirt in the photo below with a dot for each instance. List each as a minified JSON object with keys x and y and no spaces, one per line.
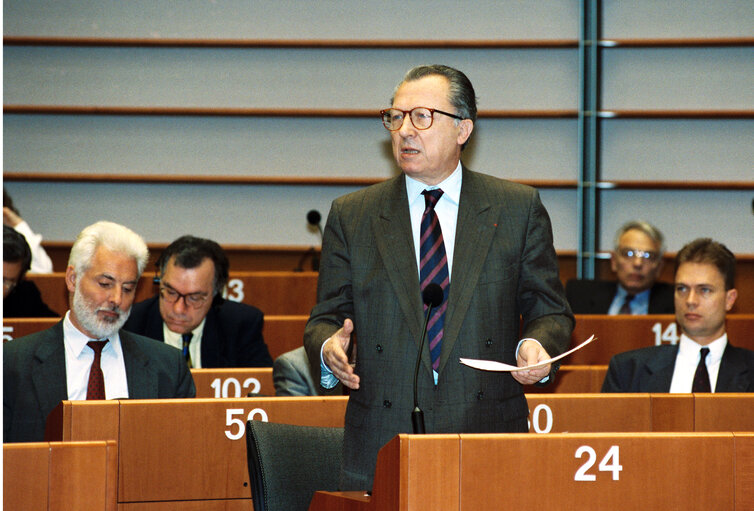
{"x":79,"y":358}
{"x":687,"y":360}
{"x":40,"y":261}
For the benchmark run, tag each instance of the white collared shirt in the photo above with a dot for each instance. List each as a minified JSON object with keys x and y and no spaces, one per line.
{"x":446,"y":210}
{"x":79,"y":358}
{"x":687,"y":360}
{"x":195,"y":348}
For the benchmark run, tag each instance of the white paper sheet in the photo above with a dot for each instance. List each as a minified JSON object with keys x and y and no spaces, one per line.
{"x":491,"y":365}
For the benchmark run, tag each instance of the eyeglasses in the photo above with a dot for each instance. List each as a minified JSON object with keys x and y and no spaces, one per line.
{"x":631,"y":253}
{"x":193,"y":300}
{"x":421,"y":117}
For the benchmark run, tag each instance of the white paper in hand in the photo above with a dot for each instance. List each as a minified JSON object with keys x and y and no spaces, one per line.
{"x":491,"y":365}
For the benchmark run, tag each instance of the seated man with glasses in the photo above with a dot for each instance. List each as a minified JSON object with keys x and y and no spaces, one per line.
{"x":636,"y":262}
{"x":190,"y":313}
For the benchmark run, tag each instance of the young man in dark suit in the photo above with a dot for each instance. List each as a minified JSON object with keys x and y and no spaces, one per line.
{"x":87,"y":355}
{"x":190,"y":313}
{"x":382,"y":249}
{"x":704,"y":359}
{"x":636,"y":261}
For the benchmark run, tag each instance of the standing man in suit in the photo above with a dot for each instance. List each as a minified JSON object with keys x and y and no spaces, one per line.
{"x":87,"y":355}
{"x":703,"y":360}
{"x":190,"y":313}
{"x":636,"y":261}
{"x":485,"y":241}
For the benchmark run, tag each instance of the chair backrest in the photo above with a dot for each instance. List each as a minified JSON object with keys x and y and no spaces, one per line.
{"x":287,"y":463}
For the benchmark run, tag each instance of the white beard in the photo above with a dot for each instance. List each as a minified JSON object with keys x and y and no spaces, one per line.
{"x":86,"y":314}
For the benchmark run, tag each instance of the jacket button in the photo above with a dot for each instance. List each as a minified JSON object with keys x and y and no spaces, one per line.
{"x":387,"y":404}
{"x":488,"y":342}
{"x":480,"y":395}
{"x":378,"y":348}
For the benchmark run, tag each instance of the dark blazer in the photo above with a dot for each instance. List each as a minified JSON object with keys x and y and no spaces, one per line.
{"x":34,"y":378}
{"x":504,"y":268}
{"x":651,"y":370}
{"x":25,"y":301}
{"x":232,"y":332}
{"x":595,"y":296}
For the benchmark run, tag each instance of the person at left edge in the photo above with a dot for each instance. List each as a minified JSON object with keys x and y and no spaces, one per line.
{"x":193,"y":273}
{"x":44,"y":368}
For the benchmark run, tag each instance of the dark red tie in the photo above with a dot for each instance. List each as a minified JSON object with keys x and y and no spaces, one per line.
{"x":433,"y":267}
{"x":701,"y":376}
{"x":96,"y":387}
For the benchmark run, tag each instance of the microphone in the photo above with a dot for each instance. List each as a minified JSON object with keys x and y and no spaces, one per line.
{"x":314,"y":219}
{"x":432,"y":297}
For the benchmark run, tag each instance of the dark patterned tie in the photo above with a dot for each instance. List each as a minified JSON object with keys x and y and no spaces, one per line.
{"x":96,"y":387}
{"x":626,"y":307}
{"x":186,"y":343}
{"x":701,"y":376}
{"x":433,"y":267}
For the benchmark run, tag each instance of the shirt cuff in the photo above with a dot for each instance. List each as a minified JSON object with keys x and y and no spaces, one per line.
{"x":327,"y":379}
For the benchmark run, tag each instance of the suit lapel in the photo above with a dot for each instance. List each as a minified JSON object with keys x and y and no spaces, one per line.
{"x":732,"y":376}
{"x":142,"y":382}
{"x":660,"y":369}
{"x":48,"y":371}
{"x":474,"y":233}
{"x":394,"y":240}
{"x":211,"y":356}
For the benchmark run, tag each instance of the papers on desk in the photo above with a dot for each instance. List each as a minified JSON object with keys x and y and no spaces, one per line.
{"x":491,"y":365}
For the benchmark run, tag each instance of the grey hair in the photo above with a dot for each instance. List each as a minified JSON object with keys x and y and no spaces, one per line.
{"x":645,"y":227}
{"x":460,"y":94}
{"x":115,"y":237}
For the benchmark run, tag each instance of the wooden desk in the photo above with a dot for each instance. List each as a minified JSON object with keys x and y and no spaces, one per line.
{"x":60,"y":476}
{"x":616,"y":334}
{"x":690,"y":471}
{"x":593,"y":413}
{"x":233,"y":382}
{"x":185,"y":453}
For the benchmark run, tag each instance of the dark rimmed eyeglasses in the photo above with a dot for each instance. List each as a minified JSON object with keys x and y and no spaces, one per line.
{"x":193,"y":300}
{"x":421,"y":117}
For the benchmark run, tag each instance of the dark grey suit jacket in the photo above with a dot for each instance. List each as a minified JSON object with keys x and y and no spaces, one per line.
{"x":651,"y":370}
{"x":34,"y":378}
{"x":595,"y":296}
{"x":293,"y":376}
{"x":504,"y":269}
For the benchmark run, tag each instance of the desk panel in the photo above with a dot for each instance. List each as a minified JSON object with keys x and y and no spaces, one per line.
{"x":233,"y":383}
{"x":60,"y":476}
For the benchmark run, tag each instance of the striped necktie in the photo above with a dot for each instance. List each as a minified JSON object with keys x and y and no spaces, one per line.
{"x":186,"y":342}
{"x":434,"y":268}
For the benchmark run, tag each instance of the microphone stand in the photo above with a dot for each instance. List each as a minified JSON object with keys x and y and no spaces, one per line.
{"x":417,"y":416}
